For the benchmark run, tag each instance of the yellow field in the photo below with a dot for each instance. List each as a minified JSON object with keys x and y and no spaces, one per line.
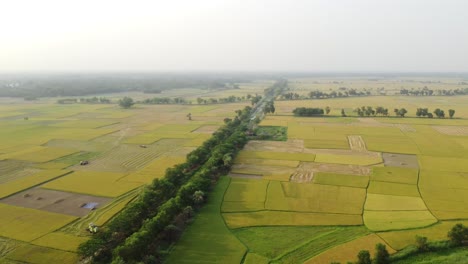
{"x":268,"y":162}
{"x":394,"y":220}
{"x":18,"y":185}
{"x":285,"y":196}
{"x":41,"y":255}
{"x":390,"y":188}
{"x":278,"y":218}
{"x":400,"y":239}
{"x":28,"y":224}
{"x":94,"y":183}
{"x":348,"y":159}
{"x":395,"y":174}
{"x":379,"y":202}
{"x":341,"y":179}
{"x":348,"y":251}
{"x":154,"y":170}
{"x":275,"y":155}
{"x":38,"y":154}
{"x":58,"y":240}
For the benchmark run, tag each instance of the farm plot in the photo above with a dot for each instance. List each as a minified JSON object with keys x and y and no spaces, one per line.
{"x":129,"y":157}
{"x":41,"y":255}
{"x":400,"y":160}
{"x":402,"y":238}
{"x":156,"y":169}
{"x":28,"y":224}
{"x":38,"y":154}
{"x":289,"y":146}
{"x":395,"y":174}
{"x":281,"y":173}
{"x":276,"y":155}
{"x":391,"y":188}
{"x":105,"y":184}
{"x":430,"y":163}
{"x":392,"y":144}
{"x":201,"y":240}
{"x":23,"y":183}
{"x":363,"y":160}
{"x":306,"y":170}
{"x":14,"y":170}
{"x":379,"y":202}
{"x":348,"y":251}
{"x":83,"y":123}
{"x":279,"y":218}
{"x":357,"y":143}
{"x":168,"y":131}
{"x":268,"y":162}
{"x":395,"y":220}
{"x":55,"y":201}
{"x":341,"y":179}
{"x":61,"y":241}
{"x":285,"y":196}
{"x":245,"y":195}
{"x":289,"y":244}
{"x":452,"y":130}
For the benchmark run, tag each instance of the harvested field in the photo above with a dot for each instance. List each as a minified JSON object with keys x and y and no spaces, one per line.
{"x":278,"y":218}
{"x":391,"y":188}
{"x":268,"y":162}
{"x":400,"y":160}
{"x":306,"y":170}
{"x":156,"y":169}
{"x":452,"y":130}
{"x":405,"y":127}
{"x":348,"y":251}
{"x":276,"y":155}
{"x":325,"y":144}
{"x":277,"y":172}
{"x":380,"y":202}
{"x":357,"y":143}
{"x":128,"y":157}
{"x":55,"y":201}
{"x":28,"y":224}
{"x":395,"y":220}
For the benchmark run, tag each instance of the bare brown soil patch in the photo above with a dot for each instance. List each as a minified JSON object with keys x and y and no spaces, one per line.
{"x":357,"y":143}
{"x":291,"y":146}
{"x":55,"y":201}
{"x":452,"y":130}
{"x":400,"y":160}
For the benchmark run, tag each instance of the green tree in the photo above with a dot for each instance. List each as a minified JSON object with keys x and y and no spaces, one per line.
{"x":402,"y":112}
{"x":126,"y":102}
{"x":364,"y":257}
{"x":343,"y":114}
{"x":327,"y":110}
{"x":451,"y":113}
{"x":458,"y":234}
{"x":421,"y":243}
{"x":381,"y":254}
{"x":198,"y":197}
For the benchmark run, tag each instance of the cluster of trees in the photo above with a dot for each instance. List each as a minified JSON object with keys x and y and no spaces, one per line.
{"x":229,"y":99}
{"x":458,"y":236}
{"x":36,"y":86}
{"x":369,"y":110}
{"x":269,"y":107}
{"x":425,"y":91}
{"x":324,"y":95}
{"x":147,"y":227}
{"x":304,"y":111}
{"x":92,"y":100}
{"x":165,"y":100}
{"x":424,"y":112}
{"x":126,"y":102}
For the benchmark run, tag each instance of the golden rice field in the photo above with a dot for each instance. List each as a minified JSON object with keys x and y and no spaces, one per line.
{"x":44,"y":151}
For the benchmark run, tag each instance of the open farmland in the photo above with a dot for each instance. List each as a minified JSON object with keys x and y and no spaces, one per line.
{"x":339,"y":185}
{"x":47,"y":199}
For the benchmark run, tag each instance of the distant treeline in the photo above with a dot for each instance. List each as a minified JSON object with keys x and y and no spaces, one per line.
{"x":344,"y":92}
{"x":147,"y":227}
{"x":31,"y":87}
{"x":92,"y":100}
{"x":425,"y":91}
{"x":304,"y":111}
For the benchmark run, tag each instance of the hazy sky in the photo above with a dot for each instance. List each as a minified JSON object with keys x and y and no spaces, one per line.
{"x":237,"y":35}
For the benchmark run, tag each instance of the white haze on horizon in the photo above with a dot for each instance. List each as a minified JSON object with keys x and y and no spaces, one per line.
{"x":229,"y":35}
